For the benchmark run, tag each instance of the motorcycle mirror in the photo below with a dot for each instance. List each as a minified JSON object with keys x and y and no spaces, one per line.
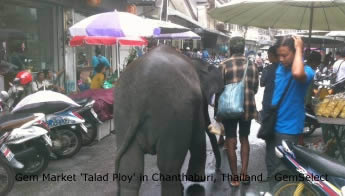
{"x":278,"y":153}
{"x":4,"y":95}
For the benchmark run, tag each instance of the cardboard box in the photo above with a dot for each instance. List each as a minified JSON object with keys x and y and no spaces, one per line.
{"x":103,"y":130}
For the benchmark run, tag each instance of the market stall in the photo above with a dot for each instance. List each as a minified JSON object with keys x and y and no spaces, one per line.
{"x":331,"y":115}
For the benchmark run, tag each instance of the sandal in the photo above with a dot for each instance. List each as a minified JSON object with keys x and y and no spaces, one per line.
{"x":244,"y":180}
{"x":235,"y":184}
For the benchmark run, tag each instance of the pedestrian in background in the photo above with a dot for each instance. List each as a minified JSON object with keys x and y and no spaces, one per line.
{"x":233,"y":72}
{"x":267,"y":80}
{"x":292,"y":77}
{"x":98,"y":79}
{"x":339,"y":67}
{"x":98,"y":58}
{"x":40,"y":82}
{"x":259,"y":62}
{"x":52,"y":79}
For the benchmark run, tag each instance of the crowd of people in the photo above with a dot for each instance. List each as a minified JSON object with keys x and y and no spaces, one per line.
{"x":288,"y":77}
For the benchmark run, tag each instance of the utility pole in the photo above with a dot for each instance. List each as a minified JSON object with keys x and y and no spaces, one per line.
{"x":164,"y":12}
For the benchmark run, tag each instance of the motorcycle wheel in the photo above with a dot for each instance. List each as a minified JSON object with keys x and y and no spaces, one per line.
{"x":288,"y":188}
{"x":71,"y":141}
{"x":36,"y":165}
{"x":91,"y":134}
{"x":6,"y":178}
{"x":309,"y":128}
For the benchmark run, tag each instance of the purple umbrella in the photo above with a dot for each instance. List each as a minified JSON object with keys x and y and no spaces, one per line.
{"x":114,"y":24}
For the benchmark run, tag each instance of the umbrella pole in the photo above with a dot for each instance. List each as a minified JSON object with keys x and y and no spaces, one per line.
{"x":117,"y":59}
{"x":113,"y":60}
{"x":311,"y":23}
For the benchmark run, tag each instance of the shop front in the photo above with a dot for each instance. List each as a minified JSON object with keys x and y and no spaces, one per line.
{"x":34,"y":35}
{"x":28,"y":36}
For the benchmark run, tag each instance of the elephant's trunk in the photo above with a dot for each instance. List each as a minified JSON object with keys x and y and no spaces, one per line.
{"x":130,"y":134}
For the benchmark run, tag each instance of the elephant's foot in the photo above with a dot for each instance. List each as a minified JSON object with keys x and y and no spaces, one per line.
{"x":172,"y":189}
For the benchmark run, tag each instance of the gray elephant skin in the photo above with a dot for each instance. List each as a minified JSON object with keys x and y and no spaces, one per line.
{"x":160,"y":107}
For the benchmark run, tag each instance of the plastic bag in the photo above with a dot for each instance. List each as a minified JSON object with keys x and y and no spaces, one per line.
{"x":216,"y":128}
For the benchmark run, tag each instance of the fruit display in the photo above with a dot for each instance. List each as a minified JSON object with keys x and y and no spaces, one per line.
{"x":332,"y":106}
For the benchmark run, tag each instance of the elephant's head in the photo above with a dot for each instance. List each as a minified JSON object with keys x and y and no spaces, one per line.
{"x":211,"y":80}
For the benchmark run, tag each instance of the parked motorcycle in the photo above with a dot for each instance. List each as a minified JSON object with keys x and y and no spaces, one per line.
{"x":25,"y":135}
{"x":66,"y":129}
{"x":91,"y":119}
{"x":6,"y":176}
{"x":66,"y":132}
{"x":308,"y":173}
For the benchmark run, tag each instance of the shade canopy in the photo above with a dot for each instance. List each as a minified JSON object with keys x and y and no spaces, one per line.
{"x":167,"y":27}
{"x":114,"y":24}
{"x":336,"y":34}
{"x":318,"y":41}
{"x":286,"y":14}
{"x":107,"y":41}
{"x":179,"y":36}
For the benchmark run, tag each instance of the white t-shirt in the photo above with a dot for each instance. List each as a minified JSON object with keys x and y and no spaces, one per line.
{"x":36,"y":85}
{"x":339,"y":70}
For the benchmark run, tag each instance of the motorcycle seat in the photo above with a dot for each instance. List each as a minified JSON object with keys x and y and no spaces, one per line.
{"x":82,"y":101}
{"x":11,"y":121}
{"x":319,"y":162}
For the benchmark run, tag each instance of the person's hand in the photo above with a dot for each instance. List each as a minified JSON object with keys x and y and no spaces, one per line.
{"x":298,"y":42}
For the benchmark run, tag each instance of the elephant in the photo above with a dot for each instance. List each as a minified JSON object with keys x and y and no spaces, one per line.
{"x":160,"y":108}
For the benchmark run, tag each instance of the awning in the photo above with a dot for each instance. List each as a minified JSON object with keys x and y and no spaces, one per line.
{"x":217,"y":33}
{"x":182,"y":19}
{"x":187,"y":21}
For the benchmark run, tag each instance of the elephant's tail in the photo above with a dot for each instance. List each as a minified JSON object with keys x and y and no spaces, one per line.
{"x":129,"y":136}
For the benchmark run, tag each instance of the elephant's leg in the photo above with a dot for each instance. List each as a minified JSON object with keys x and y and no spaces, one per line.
{"x":215,"y":148}
{"x":212,"y":137}
{"x":170,"y":157}
{"x":131,"y":164}
{"x":198,"y":148}
{"x":197,"y":160}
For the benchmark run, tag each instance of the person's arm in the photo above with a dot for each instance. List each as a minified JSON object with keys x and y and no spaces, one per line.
{"x":297,"y":69}
{"x":60,"y":72}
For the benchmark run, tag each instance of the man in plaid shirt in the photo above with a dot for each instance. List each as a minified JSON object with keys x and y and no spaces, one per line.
{"x":233,"y":70}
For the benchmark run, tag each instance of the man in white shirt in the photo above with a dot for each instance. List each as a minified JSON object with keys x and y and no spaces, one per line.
{"x":40,"y":83}
{"x":339,"y":67}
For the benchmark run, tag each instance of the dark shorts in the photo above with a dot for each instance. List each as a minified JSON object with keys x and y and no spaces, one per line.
{"x":230,"y":126}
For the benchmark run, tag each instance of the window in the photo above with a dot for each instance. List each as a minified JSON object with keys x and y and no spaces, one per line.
{"x":26,"y":34}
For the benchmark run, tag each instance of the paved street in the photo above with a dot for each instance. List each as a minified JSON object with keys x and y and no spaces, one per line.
{"x":99,"y":159}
